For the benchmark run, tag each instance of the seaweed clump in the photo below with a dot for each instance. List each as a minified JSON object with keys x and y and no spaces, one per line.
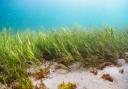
{"x":68,"y":85}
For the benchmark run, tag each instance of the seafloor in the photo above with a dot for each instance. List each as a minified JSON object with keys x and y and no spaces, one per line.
{"x":85,"y":78}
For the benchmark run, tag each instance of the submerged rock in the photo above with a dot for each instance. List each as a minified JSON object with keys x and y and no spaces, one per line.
{"x":121,"y":71}
{"x":121,"y":62}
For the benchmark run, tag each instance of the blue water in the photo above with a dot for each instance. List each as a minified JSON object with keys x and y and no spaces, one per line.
{"x":57,"y":13}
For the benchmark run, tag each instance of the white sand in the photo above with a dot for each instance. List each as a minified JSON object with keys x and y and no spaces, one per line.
{"x":86,"y":80}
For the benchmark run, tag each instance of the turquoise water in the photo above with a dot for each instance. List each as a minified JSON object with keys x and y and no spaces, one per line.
{"x":57,"y":13}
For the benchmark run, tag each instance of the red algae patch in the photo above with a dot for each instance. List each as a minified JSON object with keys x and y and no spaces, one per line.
{"x":107,"y":77}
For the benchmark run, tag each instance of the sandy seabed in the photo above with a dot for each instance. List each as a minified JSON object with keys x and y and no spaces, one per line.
{"x":86,"y":80}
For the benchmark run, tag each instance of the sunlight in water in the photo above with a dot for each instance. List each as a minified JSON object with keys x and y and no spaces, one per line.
{"x":36,"y":13}
{"x":74,"y":3}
